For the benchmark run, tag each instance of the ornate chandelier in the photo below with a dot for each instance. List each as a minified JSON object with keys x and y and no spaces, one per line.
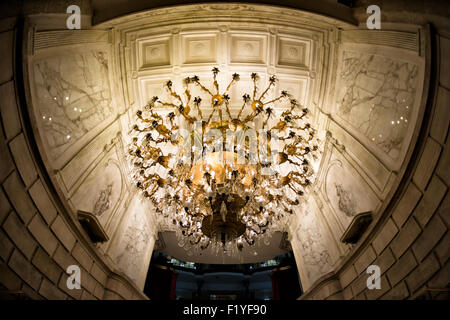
{"x":223,"y":180}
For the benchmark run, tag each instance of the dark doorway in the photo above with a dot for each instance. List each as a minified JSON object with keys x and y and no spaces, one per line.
{"x":169,"y":278}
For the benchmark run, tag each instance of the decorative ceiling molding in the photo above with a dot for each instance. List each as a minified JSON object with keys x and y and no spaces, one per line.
{"x":155,"y":55}
{"x":224,"y":12}
{"x":397,"y":39}
{"x":49,"y":39}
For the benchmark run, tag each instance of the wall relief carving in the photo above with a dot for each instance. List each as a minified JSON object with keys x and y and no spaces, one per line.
{"x":73,"y":97}
{"x":103,"y":201}
{"x":345,"y":190}
{"x":315,"y":252}
{"x":133,"y":245}
{"x":101,"y":191}
{"x":346,"y":201}
{"x":378,"y":96}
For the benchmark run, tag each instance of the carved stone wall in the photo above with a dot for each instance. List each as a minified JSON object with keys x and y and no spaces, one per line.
{"x":39,"y":236}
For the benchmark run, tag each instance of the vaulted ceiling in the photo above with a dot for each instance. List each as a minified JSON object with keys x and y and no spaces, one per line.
{"x":87,"y":86}
{"x":154,"y":53}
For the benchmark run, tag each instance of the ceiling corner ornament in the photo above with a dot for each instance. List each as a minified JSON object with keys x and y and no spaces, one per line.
{"x":224,"y":177}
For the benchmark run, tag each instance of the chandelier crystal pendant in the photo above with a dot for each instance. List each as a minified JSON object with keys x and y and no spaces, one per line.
{"x":223,"y":180}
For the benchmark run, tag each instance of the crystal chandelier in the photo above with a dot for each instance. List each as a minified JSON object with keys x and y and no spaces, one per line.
{"x":228,"y":178}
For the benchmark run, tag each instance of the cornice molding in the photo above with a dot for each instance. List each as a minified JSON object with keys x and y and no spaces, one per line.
{"x":223,"y":12}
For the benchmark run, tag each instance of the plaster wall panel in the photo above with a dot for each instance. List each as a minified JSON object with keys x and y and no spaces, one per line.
{"x":72,"y":97}
{"x":346,"y":191}
{"x":101,"y":191}
{"x":378,"y":97}
{"x":133,"y":242}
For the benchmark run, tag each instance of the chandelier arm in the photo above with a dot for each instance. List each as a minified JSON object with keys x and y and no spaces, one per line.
{"x":265,"y":91}
{"x":273,"y":100}
{"x":216,"y":85}
{"x":162,"y":140}
{"x":292,"y":127}
{"x":204,"y":88}
{"x":242,"y":109}
{"x":298,"y":192}
{"x":227,"y":108}
{"x":287,"y":137}
{"x":254,"y":87}
{"x":184,"y":114}
{"x":286,"y":209}
{"x":251,"y":116}
{"x":200,"y":114}
{"x":267,"y":120}
{"x":139,"y":115}
{"x":153,"y":191}
{"x":176,"y":95}
{"x":168,"y":104}
{"x":229,"y":86}
{"x":210,"y":116}
{"x":188,"y":95}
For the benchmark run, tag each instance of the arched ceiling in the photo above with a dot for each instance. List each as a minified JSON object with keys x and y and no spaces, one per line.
{"x":86,"y":88}
{"x":298,"y":54}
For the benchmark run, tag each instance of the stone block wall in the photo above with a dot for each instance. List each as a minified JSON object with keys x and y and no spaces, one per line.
{"x":412,"y":243}
{"x":412,"y":247}
{"x":37,"y":239}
